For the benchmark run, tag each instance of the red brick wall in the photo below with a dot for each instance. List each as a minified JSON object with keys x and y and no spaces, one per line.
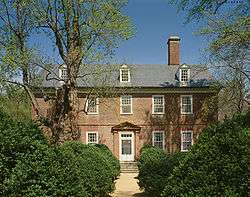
{"x":172,"y":122}
{"x":173,"y":52}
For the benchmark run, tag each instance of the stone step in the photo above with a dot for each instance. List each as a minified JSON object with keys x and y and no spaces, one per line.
{"x":129,"y":167}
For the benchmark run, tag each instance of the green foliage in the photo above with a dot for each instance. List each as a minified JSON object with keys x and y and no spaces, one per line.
{"x":111,"y":159}
{"x":155,"y":166}
{"x":218,"y":165}
{"x":94,"y":170}
{"x":16,"y":138}
{"x":30,"y":167}
{"x":15,"y":102}
{"x":226,"y":25}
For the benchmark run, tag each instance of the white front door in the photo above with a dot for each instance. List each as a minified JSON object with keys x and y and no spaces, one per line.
{"x":126,"y":146}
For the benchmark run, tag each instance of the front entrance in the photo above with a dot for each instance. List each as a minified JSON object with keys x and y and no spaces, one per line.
{"x":126,"y":146}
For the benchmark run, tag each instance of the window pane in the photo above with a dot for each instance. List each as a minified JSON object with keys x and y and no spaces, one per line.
{"x":187,"y":137}
{"x":186,"y":140}
{"x":158,"y":109}
{"x":158,"y":139}
{"x":126,"y":147}
{"x":126,"y":100}
{"x":126,"y":104}
{"x":92,"y":138}
{"x":186,"y":145}
{"x":186,"y":102}
{"x":184,"y":75}
{"x":158,"y":104}
{"x":159,"y":145}
{"x":124,"y":75}
{"x":92,"y":105}
{"x":158,"y":100}
{"x":64,"y":74}
{"x":126,"y":109}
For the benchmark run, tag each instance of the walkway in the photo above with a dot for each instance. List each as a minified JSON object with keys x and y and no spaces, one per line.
{"x":126,"y":186}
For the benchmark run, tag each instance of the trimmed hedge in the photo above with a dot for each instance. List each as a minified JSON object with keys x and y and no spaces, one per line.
{"x":155,"y":166}
{"x":112,"y":160}
{"x":37,"y":169}
{"x":218,"y":165}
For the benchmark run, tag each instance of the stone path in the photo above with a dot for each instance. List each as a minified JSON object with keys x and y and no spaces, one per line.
{"x":126,"y":186}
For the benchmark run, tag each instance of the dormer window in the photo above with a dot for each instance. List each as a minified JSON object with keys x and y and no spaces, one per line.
{"x":184,"y":75}
{"x":124,"y":74}
{"x":63,"y":73}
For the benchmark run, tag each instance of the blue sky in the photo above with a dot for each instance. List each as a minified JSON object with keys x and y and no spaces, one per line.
{"x":155,"y":21}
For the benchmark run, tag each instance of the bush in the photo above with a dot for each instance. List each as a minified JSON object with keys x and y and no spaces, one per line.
{"x":218,"y":165}
{"x":154,"y":168}
{"x":112,"y":160}
{"x":95,"y":170}
{"x":15,"y":138}
{"x":72,"y":169}
{"x":30,"y":167}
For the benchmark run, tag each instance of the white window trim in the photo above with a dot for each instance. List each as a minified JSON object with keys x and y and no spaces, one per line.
{"x":121,"y":75}
{"x":131,"y":104}
{"x":87,"y":137}
{"x":97,"y":107}
{"x":187,"y":113}
{"x":153,"y":112}
{"x":192,"y":142}
{"x":153,"y":138}
{"x":184,"y":83}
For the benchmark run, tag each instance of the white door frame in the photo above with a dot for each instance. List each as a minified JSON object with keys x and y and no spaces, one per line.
{"x":127,"y":157}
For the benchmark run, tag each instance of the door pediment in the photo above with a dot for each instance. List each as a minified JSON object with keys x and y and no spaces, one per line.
{"x":126,"y":126}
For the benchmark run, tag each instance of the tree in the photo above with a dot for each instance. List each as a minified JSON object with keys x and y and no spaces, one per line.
{"x":15,"y":28}
{"x":227,"y":27}
{"x":79,"y":30}
{"x":14,"y":103}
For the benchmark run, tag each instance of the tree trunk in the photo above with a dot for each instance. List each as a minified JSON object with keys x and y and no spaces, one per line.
{"x":64,"y":114}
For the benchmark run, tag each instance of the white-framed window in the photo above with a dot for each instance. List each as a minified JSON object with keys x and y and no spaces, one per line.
{"x":186,"y":104}
{"x":126,"y":104}
{"x":186,"y":140}
{"x":63,"y":73}
{"x":158,"y":104}
{"x":184,"y":75}
{"x":92,"y":105}
{"x":159,"y":139}
{"x":124,"y":74}
{"x":92,"y":137}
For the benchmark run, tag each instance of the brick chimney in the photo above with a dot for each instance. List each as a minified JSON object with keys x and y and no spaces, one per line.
{"x":174,"y":50}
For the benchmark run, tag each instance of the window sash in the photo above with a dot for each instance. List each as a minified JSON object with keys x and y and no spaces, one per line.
{"x":92,"y":138}
{"x":126,"y":104}
{"x":184,"y":75}
{"x":186,"y":140}
{"x":124,"y":75}
{"x":63,"y":73}
{"x":158,"y":104}
{"x":92,"y":105}
{"x":186,"y":104}
{"x":159,"y":139}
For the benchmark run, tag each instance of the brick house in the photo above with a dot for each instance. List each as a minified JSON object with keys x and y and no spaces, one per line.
{"x":160,"y":105}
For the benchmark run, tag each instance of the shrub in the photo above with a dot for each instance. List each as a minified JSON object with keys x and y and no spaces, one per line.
{"x":94,"y":170}
{"x":30,"y":167}
{"x":218,"y":165}
{"x":72,"y":169}
{"x":112,"y":160}
{"x":154,"y":168}
{"x":15,"y":138}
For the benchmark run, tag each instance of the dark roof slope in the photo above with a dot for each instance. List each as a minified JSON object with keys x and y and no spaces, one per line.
{"x":141,"y":76}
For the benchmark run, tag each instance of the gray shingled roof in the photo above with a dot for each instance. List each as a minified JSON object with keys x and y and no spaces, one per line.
{"x":141,"y":76}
